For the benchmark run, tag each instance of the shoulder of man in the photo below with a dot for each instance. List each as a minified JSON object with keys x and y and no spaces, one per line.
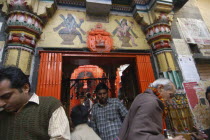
{"x":114,"y":100}
{"x":49,"y":102}
{"x":94,"y":106}
{"x":145,"y":98}
{"x":49,"y":99}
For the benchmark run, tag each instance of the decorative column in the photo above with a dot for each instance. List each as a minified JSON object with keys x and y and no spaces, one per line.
{"x":156,"y":24}
{"x":23,"y":28}
{"x":158,"y":36}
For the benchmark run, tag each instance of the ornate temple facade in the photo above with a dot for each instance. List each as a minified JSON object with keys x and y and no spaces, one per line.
{"x":67,"y":46}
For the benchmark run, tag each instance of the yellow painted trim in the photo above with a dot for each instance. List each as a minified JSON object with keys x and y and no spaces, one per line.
{"x":24,"y":33}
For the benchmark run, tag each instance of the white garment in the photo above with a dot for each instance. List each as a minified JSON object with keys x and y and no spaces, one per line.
{"x":84,"y":132}
{"x":58,"y":125}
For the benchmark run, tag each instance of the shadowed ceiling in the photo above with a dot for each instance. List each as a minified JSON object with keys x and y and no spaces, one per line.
{"x":118,"y":2}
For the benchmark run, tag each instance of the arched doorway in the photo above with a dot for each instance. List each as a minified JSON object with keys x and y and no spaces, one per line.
{"x":83,"y":81}
{"x":56,"y":68}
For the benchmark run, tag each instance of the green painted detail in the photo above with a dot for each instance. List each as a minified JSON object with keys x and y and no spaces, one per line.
{"x":174,"y":77}
{"x":165,"y":74}
{"x":26,"y":25}
{"x":177,"y":77}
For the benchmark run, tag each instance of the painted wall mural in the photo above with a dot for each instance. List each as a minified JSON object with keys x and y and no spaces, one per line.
{"x":70,"y":29}
{"x":125,"y":33}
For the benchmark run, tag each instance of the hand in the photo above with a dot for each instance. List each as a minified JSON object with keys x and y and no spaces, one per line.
{"x":177,"y":138}
{"x":199,"y":136}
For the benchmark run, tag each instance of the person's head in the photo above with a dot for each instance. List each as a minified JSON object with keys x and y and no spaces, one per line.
{"x":79,"y":115}
{"x":165,"y":87}
{"x":82,"y":97}
{"x":123,"y":22}
{"x":102,"y":93}
{"x":14,"y":88}
{"x":208,"y":93}
{"x":88,"y":95}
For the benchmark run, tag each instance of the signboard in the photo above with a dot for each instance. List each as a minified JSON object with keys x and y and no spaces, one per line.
{"x":199,"y":106}
{"x":191,"y":93}
{"x":188,"y":68}
{"x":194,"y":31}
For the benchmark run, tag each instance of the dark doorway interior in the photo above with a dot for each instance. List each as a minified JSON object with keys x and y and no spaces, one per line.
{"x":127,"y":84}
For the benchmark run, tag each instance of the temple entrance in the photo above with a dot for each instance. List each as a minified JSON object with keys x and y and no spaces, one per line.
{"x":66,"y":74}
{"x":82,"y":74}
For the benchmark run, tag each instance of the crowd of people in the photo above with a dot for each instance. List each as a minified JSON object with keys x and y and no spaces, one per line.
{"x":27,"y":116}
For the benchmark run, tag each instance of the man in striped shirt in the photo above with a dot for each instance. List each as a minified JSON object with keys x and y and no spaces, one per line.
{"x":107,"y":115}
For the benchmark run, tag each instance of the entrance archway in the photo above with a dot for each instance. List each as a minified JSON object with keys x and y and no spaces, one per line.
{"x":56,"y":66}
{"x":83,"y":80}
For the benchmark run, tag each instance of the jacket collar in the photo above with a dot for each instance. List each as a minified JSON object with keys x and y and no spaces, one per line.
{"x":150,"y":92}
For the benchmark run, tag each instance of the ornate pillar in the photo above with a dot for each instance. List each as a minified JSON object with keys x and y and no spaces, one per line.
{"x":158,"y":35}
{"x":25,"y":20}
{"x":23,"y":28}
{"x":156,"y":24}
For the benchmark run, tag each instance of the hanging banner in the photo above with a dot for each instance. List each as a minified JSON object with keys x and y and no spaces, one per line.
{"x":191,"y":93}
{"x":194,"y":31}
{"x":188,"y":68}
{"x":198,"y":103}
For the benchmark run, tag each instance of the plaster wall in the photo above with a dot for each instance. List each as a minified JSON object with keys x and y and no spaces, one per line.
{"x":69,"y":29}
{"x":203,"y":6}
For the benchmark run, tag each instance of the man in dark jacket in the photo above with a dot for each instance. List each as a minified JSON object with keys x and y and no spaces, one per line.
{"x":144,"y":119}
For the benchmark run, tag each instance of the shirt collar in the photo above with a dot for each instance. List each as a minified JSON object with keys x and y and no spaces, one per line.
{"x":34,"y":99}
{"x":108,"y":102}
{"x":81,"y":126}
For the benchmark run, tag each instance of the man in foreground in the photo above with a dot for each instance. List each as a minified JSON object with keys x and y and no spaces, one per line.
{"x":107,"y":115}
{"x":27,"y":116}
{"x":144,"y":119}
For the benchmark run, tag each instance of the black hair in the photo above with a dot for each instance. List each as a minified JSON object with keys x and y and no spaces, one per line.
{"x":15,"y":75}
{"x":207,"y":91}
{"x":88,"y":95}
{"x":79,"y":115}
{"x":101,"y":86}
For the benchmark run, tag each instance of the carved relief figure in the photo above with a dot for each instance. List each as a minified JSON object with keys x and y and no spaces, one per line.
{"x":125,"y":33}
{"x":68,"y":30}
{"x":99,"y":40}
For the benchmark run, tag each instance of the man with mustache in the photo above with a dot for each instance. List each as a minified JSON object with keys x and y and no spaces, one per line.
{"x":107,"y":115}
{"x":25,"y":115}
